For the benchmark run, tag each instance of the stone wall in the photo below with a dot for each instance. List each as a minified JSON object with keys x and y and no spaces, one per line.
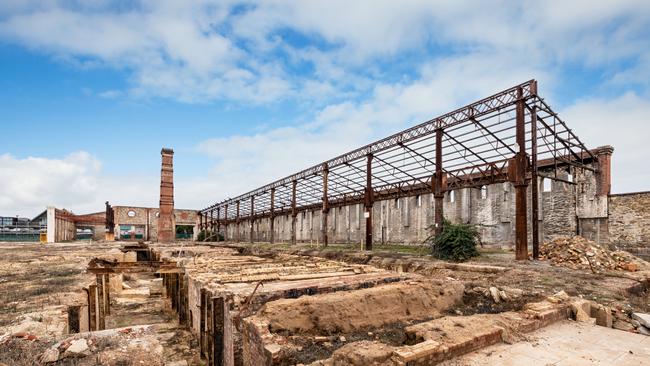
{"x":629,"y":220}
{"x":571,"y":201}
{"x":407,"y":220}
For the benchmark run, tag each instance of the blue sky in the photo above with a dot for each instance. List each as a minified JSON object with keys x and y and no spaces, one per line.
{"x":246,"y":92}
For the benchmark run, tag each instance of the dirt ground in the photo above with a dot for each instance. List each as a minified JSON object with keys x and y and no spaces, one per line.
{"x":39,"y":281}
{"x":535,"y":279}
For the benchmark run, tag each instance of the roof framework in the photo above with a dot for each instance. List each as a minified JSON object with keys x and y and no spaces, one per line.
{"x":477,"y":142}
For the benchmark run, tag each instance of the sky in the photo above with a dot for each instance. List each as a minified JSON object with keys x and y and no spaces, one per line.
{"x":248,"y":92}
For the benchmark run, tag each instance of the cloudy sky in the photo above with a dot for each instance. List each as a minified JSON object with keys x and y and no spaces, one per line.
{"x":247,"y":92}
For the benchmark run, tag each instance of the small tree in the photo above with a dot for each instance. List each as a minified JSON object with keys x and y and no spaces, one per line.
{"x":456,"y":242}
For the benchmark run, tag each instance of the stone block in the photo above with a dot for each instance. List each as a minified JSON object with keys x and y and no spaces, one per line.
{"x":115,"y":283}
{"x":141,"y":292}
{"x":603,"y":315}
{"x":130,"y":257}
{"x":581,"y":310}
{"x":78,"y":347}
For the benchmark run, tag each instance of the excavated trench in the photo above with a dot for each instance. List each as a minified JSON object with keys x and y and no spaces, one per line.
{"x":240,"y":307}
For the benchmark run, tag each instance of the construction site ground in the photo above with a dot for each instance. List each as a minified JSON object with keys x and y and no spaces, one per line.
{"x":38,"y":281}
{"x":494,"y":268}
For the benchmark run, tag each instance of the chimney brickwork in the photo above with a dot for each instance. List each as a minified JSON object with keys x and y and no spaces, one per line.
{"x":166,"y":227}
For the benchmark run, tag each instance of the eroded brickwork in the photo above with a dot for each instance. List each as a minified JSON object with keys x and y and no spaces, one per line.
{"x":166,"y":227}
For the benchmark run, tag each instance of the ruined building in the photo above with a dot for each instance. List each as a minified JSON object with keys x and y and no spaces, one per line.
{"x":472,"y":163}
{"x":163,"y":224}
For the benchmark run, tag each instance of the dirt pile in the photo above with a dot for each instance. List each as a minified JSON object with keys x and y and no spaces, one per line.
{"x":579,"y":253}
{"x":348,"y":311}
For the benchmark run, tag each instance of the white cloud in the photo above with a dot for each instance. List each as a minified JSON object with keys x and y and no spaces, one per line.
{"x":204,"y":50}
{"x":623,"y":123}
{"x":200,"y":51}
{"x":243,"y":163}
{"x":29,"y":184}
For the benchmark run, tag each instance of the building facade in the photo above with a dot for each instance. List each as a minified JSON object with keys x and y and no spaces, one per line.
{"x":141,"y":223}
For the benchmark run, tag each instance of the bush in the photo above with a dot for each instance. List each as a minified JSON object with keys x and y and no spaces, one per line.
{"x":456,"y":242}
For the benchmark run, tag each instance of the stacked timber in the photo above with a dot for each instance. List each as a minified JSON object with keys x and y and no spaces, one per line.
{"x":579,"y":253}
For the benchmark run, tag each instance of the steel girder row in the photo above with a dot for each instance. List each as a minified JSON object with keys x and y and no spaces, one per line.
{"x":501,"y":138}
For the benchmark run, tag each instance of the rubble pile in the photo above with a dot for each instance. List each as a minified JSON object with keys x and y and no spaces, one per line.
{"x":579,"y":253}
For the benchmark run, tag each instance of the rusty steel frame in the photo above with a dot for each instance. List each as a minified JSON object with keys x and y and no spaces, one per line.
{"x":505,"y":137}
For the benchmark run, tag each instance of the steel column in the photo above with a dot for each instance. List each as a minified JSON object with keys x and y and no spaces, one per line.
{"x":294,"y":213}
{"x":438,"y":190}
{"x":535,"y":186}
{"x":272,"y":218}
{"x":325,"y":206}
{"x":218,"y":222}
{"x":521,"y":230}
{"x":237,"y":222}
{"x":252,"y":216}
{"x":369,"y":202}
{"x":225,"y":218}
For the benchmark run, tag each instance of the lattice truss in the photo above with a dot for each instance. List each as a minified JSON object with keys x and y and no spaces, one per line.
{"x":478,"y":141}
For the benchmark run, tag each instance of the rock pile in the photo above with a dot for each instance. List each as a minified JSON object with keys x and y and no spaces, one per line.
{"x":579,"y":253}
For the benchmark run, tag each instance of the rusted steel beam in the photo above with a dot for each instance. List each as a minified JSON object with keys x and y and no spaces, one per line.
{"x":477,"y":109}
{"x":237,"y":218}
{"x":466,"y":148}
{"x":326,"y":208}
{"x":493,"y":135}
{"x":218,"y":222}
{"x":272,"y":217}
{"x":520,"y":167}
{"x":294,"y":212}
{"x":438,"y":187}
{"x":535,"y":183}
{"x":369,"y":202}
{"x":252,"y":218}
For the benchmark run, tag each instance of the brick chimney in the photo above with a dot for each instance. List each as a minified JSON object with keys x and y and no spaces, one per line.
{"x":166,"y":227}
{"x":604,"y":177}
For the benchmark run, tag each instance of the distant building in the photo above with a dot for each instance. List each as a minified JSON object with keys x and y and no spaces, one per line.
{"x":141,"y":223}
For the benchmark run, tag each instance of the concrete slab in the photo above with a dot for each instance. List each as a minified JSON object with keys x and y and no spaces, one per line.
{"x":566,"y":343}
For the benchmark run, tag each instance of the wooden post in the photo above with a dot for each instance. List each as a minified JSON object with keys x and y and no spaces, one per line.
{"x":92,"y":307}
{"x":218,"y":327}
{"x":101,"y":308}
{"x":202,"y":324}
{"x":107,"y":291}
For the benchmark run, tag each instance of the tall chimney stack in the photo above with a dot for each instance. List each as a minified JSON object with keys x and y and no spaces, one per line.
{"x":166,"y":227}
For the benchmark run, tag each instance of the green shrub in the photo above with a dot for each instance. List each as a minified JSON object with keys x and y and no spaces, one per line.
{"x":456,"y":242}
